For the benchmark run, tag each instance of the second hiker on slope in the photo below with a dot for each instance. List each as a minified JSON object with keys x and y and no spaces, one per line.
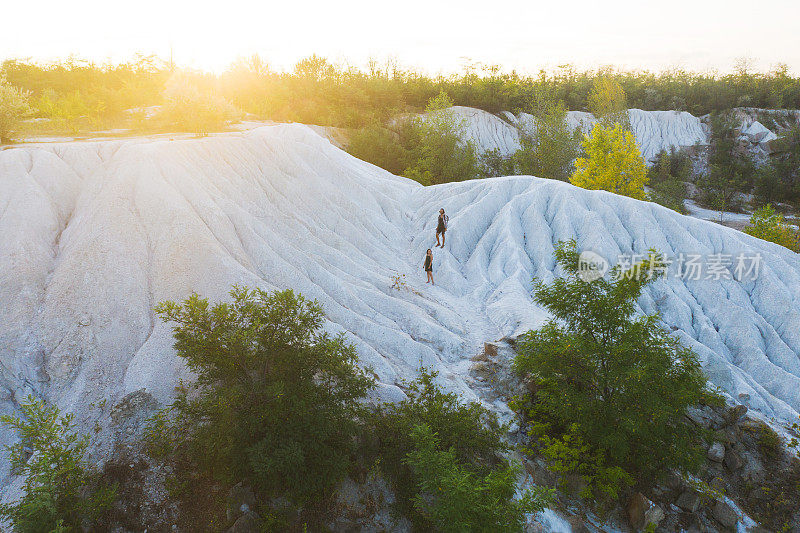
{"x":428,"y":266}
{"x":441,"y":227}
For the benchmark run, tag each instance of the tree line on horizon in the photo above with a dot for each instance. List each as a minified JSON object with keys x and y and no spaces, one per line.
{"x":83,"y":94}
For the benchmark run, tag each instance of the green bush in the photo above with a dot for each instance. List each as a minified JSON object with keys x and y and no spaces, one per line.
{"x":62,"y":491}
{"x":769,"y":442}
{"x":455,"y":499}
{"x":276,"y":401}
{"x":570,"y":455}
{"x":190,"y":105}
{"x":551,"y":149}
{"x":469,"y":436}
{"x":13,"y":108}
{"x":768,"y":224}
{"x":618,"y":383}
{"x":438,"y":152}
{"x":379,"y":146}
{"x":731,"y":170}
{"x":666,"y":177}
{"x":492,"y":163}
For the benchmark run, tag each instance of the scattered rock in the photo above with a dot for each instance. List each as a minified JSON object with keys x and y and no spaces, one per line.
{"x":490,"y":349}
{"x":753,"y":469}
{"x":240,"y":501}
{"x":135,"y":402}
{"x":716,"y":452}
{"x":642,"y":512}
{"x":673,"y":480}
{"x":577,"y":525}
{"x":736,"y":413}
{"x":756,"y":132}
{"x":743,"y":396}
{"x":705,"y":417}
{"x":480,"y":357}
{"x":725,"y":514}
{"x":249,"y":522}
{"x":689,"y":501}
{"x":732,"y":460}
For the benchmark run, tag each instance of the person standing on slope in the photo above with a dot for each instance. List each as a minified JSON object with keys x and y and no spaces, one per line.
{"x":441,"y":227}
{"x":428,"y":266}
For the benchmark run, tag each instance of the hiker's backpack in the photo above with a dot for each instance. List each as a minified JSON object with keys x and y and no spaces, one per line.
{"x":445,"y":220}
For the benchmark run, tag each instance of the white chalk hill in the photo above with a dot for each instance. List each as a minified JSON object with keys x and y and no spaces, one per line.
{"x":94,"y":234}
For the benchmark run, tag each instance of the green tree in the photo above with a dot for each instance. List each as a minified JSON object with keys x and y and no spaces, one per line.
{"x":439,"y":152}
{"x":616,"y":383}
{"x":551,"y":149}
{"x":666,"y":178}
{"x":379,"y":146}
{"x":276,"y":400}
{"x":464,"y":459}
{"x":607,"y":101}
{"x":62,"y":491}
{"x":731,"y":170}
{"x":190,"y":104}
{"x":786,"y":162}
{"x":768,"y":224}
{"x":613,"y":163}
{"x":455,"y":499}
{"x":14,"y":107}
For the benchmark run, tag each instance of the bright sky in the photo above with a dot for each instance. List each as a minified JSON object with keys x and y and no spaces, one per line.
{"x":433,"y":35}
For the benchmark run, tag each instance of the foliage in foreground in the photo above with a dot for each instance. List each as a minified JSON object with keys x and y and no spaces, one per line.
{"x":611,"y":388}
{"x":437,"y":476}
{"x":276,"y":401}
{"x":613,"y":162}
{"x":62,"y":491}
{"x":455,"y":499}
{"x":768,"y":224}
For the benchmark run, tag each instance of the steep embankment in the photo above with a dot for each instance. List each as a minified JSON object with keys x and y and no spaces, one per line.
{"x":655,"y":131}
{"x":92,"y":235}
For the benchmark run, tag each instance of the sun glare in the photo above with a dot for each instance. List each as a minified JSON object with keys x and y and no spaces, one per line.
{"x":433,"y":36}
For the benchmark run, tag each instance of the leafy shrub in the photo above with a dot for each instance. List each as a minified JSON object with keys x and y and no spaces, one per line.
{"x":607,"y":101}
{"x":666,"y":177}
{"x":467,"y":447}
{"x":550,"y":150}
{"x":670,"y":165}
{"x":616,"y":384}
{"x":470,"y":429}
{"x":190,"y":106}
{"x":569,"y":454}
{"x":786,"y":161}
{"x":492,"y":164}
{"x":731,"y":170}
{"x":613,"y":163}
{"x":768,"y":224}
{"x":13,"y":108}
{"x":455,"y":499}
{"x":769,"y":442}
{"x":276,"y":401}
{"x":438,"y":152}
{"x":62,"y":491}
{"x":379,"y":146}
